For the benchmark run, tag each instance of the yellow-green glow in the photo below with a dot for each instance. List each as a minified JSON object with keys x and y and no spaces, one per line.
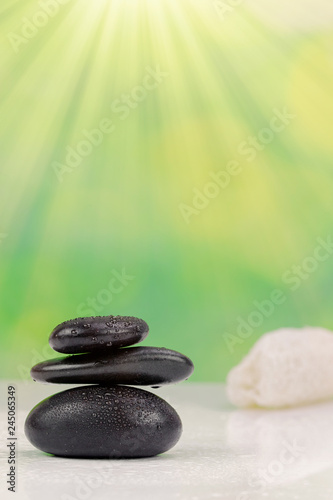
{"x":224,"y":75}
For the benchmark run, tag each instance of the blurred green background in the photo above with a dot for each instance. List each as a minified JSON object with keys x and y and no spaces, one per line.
{"x":126,"y":220}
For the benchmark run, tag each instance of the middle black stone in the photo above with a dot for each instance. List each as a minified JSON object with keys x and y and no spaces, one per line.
{"x":131,"y":366}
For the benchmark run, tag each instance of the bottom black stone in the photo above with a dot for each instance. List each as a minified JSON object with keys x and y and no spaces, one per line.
{"x":103,"y":422}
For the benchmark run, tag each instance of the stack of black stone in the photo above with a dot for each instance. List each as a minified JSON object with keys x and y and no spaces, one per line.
{"x":109,"y":419}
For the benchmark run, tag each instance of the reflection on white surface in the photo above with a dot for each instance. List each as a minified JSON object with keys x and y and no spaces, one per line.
{"x":285,"y":445}
{"x":223,"y":454}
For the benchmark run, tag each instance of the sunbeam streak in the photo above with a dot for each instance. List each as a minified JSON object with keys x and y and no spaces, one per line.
{"x":188,"y":142}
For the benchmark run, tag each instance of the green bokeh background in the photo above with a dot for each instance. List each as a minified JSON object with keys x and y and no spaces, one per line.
{"x":62,"y":240}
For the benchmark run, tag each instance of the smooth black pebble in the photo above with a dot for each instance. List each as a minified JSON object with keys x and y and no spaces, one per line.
{"x":97,"y":333}
{"x":132,"y":366}
{"x":103,"y":422}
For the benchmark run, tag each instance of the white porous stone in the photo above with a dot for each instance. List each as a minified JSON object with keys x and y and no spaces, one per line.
{"x":287,"y":367}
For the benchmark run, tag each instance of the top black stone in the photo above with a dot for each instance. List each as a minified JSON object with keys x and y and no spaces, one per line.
{"x":97,"y":333}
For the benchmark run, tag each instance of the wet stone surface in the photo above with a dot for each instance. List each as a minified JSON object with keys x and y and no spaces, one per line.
{"x":97,"y":333}
{"x":132,"y":366}
{"x":103,"y":422}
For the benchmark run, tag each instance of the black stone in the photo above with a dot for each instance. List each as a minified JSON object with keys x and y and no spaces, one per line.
{"x":152,"y":366}
{"x":97,"y":333}
{"x":103,"y":422}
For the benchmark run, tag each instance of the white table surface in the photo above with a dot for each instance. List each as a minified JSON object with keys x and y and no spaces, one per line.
{"x":224,"y":453}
